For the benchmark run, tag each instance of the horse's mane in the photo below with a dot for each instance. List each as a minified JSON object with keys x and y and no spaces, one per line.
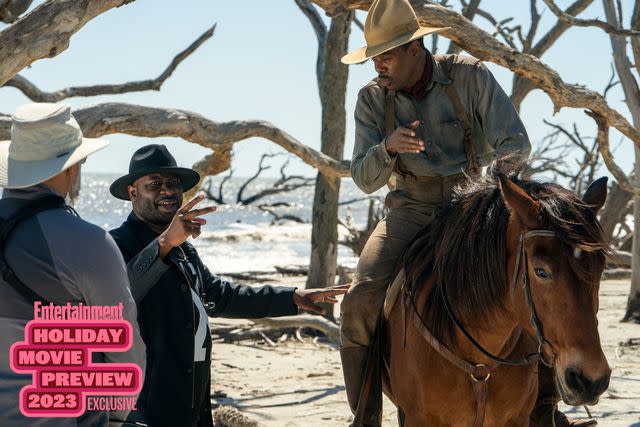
{"x":466,"y":247}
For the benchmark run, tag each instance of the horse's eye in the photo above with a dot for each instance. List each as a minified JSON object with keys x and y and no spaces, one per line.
{"x":541,"y":273}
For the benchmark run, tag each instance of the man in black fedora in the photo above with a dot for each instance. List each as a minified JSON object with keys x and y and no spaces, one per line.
{"x":175,"y":291}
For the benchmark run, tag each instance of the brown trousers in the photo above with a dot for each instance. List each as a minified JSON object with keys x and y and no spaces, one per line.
{"x":411,"y":207}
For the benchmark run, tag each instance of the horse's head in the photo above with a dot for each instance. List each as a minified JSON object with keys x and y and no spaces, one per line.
{"x":563,"y":269}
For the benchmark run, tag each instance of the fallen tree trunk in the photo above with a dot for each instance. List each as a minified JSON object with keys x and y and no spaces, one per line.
{"x":319,"y":323}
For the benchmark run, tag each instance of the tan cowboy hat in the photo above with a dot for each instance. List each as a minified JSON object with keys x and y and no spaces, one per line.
{"x":390,"y":23}
{"x":45,"y":140}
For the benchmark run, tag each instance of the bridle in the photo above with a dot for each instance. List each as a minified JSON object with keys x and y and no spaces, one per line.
{"x":480,"y":373}
{"x":521,"y":261}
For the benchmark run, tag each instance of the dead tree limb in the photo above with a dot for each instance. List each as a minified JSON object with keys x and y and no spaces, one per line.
{"x":107,"y":118}
{"x":281,"y":217}
{"x":320,"y":29}
{"x":10,"y":10}
{"x":572,"y":20}
{"x":357,"y":238}
{"x":285,"y":184}
{"x":319,"y":323}
{"x":469,"y":11}
{"x":207,"y":188}
{"x":481,"y":45}
{"x":37,"y":95}
{"x":603,"y":145}
{"x":522,"y":86}
{"x":45,"y":32}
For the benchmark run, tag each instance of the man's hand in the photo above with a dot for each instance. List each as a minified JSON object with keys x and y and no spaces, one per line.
{"x":307,"y":298}
{"x":403,"y":140}
{"x":185,"y":223}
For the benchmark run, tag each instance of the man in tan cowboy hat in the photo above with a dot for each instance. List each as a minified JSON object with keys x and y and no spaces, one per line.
{"x":428,"y":122}
{"x":51,"y":255}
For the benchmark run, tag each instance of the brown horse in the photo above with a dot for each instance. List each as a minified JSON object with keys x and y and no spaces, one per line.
{"x":507,"y":275}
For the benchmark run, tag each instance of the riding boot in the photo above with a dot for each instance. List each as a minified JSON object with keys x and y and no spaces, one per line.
{"x":354,"y":366}
{"x":545,"y":412}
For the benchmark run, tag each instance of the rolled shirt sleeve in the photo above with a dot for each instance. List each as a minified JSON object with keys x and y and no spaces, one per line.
{"x":371,"y":165}
{"x":501,"y":124}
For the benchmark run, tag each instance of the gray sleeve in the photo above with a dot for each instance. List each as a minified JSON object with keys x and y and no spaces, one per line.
{"x":371,"y":165}
{"x":145,"y":270}
{"x":98,"y":271}
{"x":500,"y":121}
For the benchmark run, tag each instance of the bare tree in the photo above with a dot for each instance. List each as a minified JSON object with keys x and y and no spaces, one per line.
{"x":332,"y":83}
{"x":285,"y":184}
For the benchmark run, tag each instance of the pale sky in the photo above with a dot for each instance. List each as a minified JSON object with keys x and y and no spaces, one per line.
{"x":260,"y":64}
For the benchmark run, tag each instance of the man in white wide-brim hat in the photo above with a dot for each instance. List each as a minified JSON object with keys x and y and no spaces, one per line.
{"x":428,"y":122}
{"x":51,"y":255}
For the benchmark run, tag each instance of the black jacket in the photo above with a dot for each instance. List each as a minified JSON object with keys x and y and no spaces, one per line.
{"x":176,"y":390}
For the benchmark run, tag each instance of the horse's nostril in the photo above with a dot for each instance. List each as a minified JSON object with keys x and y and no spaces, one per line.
{"x":575,"y":380}
{"x":600,"y":385}
{"x":582,"y":385}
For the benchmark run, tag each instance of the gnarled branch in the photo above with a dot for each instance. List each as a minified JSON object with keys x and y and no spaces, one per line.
{"x":572,"y":20}
{"x":603,"y":146}
{"x":10,"y":10}
{"x":137,"y":120}
{"x":37,"y":95}
{"x":45,"y":32}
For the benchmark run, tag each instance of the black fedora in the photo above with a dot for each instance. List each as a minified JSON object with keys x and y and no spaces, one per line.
{"x":153,"y":158}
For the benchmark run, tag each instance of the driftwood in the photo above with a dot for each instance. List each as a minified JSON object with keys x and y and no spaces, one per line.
{"x":275,"y":329}
{"x":228,"y":416}
{"x":616,"y":274}
{"x":319,"y":323}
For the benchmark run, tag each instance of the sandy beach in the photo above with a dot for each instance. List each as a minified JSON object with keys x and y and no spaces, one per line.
{"x":300,"y":384}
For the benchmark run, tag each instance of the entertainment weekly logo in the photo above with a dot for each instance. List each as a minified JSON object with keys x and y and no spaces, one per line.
{"x":57,"y":351}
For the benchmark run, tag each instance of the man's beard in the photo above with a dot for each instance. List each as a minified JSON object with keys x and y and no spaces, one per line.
{"x":74,"y":194}
{"x":150,"y":213}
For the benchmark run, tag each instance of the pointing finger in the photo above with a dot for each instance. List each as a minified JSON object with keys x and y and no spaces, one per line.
{"x":198,"y":212}
{"x":191,"y":203}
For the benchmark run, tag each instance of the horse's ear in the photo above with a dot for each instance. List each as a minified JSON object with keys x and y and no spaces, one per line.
{"x":526,"y":210}
{"x":596,"y":194}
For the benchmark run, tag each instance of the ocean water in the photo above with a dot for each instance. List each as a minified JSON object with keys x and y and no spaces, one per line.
{"x":240,"y":238}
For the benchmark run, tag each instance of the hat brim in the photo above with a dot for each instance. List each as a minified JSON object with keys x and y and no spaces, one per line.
{"x":22,"y":174}
{"x":188,"y":178}
{"x":360,"y":55}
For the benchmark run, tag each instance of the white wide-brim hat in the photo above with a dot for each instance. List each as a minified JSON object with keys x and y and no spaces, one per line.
{"x":389,"y":24}
{"x":45,"y":140}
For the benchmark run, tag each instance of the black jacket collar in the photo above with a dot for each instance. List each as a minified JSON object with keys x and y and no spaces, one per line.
{"x":141,"y":231}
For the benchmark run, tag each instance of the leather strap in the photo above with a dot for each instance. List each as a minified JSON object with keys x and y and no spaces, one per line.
{"x":481,"y":391}
{"x":389,"y":111}
{"x":479,"y":373}
{"x":473,"y":168}
{"x":390,"y":126}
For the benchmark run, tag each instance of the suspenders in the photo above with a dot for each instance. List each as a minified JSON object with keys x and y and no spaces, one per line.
{"x":473,"y":168}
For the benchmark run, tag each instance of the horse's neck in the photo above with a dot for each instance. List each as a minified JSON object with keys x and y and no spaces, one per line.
{"x":495,"y":334}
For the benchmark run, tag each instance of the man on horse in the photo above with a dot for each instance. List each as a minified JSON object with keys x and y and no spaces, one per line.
{"x":427,"y":122}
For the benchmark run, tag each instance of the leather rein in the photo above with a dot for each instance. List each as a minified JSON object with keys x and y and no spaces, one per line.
{"x":480,"y":373}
